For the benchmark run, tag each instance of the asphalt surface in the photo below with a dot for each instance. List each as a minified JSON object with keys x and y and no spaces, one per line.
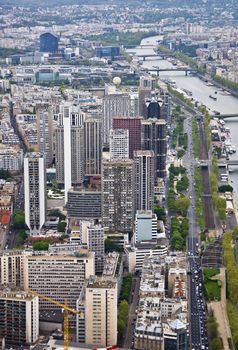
{"x":129,"y":341}
{"x":197,"y":322}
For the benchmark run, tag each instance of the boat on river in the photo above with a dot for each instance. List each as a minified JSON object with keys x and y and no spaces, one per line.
{"x":213,"y":97}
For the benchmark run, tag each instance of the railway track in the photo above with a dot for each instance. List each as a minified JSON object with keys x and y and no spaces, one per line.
{"x":207,"y":198}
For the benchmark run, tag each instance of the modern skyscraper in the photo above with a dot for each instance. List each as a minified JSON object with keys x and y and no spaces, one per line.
{"x":48,"y":42}
{"x":144,"y":164}
{"x":153,"y":133}
{"x":44,"y":117}
{"x":117,"y":193}
{"x":69,"y":155}
{"x":93,"y":146}
{"x":35,"y":192}
{"x":119,"y":143}
{"x":114,"y":105}
{"x":19,"y":317}
{"x":133,"y":125}
{"x":101,"y":311}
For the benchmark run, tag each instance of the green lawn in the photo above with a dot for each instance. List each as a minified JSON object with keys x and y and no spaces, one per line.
{"x":212,"y":288}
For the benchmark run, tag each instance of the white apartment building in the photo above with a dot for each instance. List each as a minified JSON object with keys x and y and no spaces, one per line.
{"x":119,"y":143}
{"x":144,"y":164}
{"x":101,"y":312}
{"x":19,"y":317}
{"x":69,"y":144}
{"x":35,"y":192}
{"x":11,"y":159}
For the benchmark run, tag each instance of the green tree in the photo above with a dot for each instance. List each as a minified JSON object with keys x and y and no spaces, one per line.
{"x":216,"y":344}
{"x":61,"y":226}
{"x":19,"y":219}
{"x":112,"y":246}
{"x":182,"y":205}
{"x":41,"y":244}
{"x":160,"y":212}
{"x":225,"y":188}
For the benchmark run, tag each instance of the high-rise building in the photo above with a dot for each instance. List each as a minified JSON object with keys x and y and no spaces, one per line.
{"x":147,"y":85}
{"x":93,"y":146}
{"x":101,"y":311}
{"x":60,"y":276}
{"x":145,"y":226}
{"x":35,"y":191}
{"x":44,"y":117}
{"x":69,"y":153}
{"x":147,"y":82}
{"x":95,"y":243}
{"x":12,"y":267}
{"x":117,"y":193}
{"x":119,"y":143}
{"x":153,"y":108}
{"x":114,"y":105}
{"x":153,"y":137}
{"x":144,"y":164}
{"x":48,"y":42}
{"x":133,"y":125}
{"x":19,"y":317}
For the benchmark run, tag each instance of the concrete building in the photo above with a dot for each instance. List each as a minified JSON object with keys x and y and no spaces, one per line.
{"x":12,"y":267}
{"x":114,"y":105}
{"x":145,"y":226}
{"x":35,"y":192}
{"x":93,"y":146}
{"x":59,"y":276}
{"x":153,"y":136}
{"x":101,"y":312}
{"x":95,"y":243}
{"x":19,"y":317}
{"x":11,"y":159}
{"x":133,"y":125}
{"x":44,"y":117}
{"x":69,"y":152}
{"x":119,"y":143}
{"x":135,"y":254}
{"x":161,"y":321}
{"x":144,"y":164}
{"x":147,"y":85}
{"x":117,"y":194}
{"x":85,"y":203}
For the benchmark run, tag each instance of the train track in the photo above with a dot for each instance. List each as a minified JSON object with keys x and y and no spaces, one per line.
{"x":207,"y":198}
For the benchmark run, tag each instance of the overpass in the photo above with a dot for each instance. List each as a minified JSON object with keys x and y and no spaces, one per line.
{"x":155,"y":56}
{"x":225,"y":116}
{"x":177,"y":69}
{"x":227,"y":162}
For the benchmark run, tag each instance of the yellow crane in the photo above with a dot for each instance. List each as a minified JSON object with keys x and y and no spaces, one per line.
{"x":66,"y":314}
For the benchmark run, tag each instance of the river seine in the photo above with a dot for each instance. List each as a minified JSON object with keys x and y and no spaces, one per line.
{"x":224,"y":104}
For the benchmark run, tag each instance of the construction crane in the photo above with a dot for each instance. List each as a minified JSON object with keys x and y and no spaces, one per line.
{"x":66,"y":314}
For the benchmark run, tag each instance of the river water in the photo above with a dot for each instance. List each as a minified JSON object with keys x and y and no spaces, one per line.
{"x":224,"y":104}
